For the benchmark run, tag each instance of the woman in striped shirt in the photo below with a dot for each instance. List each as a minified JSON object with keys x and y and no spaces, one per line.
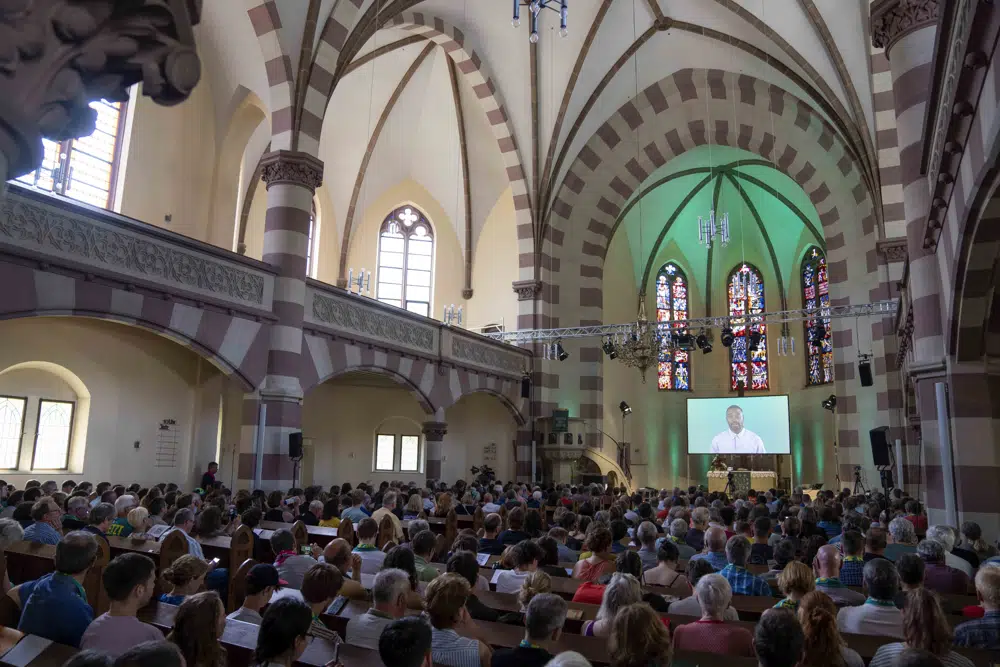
{"x":924,"y":627}
{"x":445,"y":605}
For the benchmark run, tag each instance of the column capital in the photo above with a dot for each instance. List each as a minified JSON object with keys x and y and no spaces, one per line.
{"x":59,"y":58}
{"x":434,"y":431}
{"x":527,"y":290}
{"x":291,"y":168}
{"x":891,"y":20}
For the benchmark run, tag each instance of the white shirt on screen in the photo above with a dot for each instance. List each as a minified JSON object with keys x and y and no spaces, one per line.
{"x":744,"y":442}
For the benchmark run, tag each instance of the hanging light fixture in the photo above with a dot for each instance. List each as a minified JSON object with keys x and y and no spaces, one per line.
{"x":709,"y":228}
{"x":534,"y":9}
{"x":640,"y":348}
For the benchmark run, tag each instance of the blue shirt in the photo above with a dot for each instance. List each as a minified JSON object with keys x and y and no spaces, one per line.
{"x":832,"y":528}
{"x":745,"y":583}
{"x":42,"y":533}
{"x":355,"y":514}
{"x":56,"y":608}
{"x":980,"y":632}
{"x":194,"y":546}
{"x":716,"y":558}
{"x":852,"y":571}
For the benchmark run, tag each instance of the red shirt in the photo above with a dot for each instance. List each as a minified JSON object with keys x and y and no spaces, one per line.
{"x":589,"y":593}
{"x":973,"y":611}
{"x":714,"y":637}
{"x":919,"y":522}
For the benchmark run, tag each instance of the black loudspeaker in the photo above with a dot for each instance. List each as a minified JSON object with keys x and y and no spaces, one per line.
{"x":295,"y":445}
{"x":880,"y":445}
{"x":526,"y":387}
{"x":865,"y":373}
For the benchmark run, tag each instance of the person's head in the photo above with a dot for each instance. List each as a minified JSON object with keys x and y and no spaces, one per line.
{"x":784,"y":553}
{"x":492,"y":524}
{"x":464,"y":563}
{"x":679,"y":528}
{"x":137,"y":518}
{"x":902,"y":531}
{"x":818,"y":615}
{"x":875,"y":540}
{"x":827,"y":562}
{"x":262,"y":582}
{"x":621,"y":591}
{"x":629,"y":562}
{"x":526,"y":555}
{"x":402,"y":558}
{"x":101,"y":516}
{"x":209,"y":521}
{"x":389,"y":500}
{"x":931,"y":551}
{"x":881,"y":579}
{"x":367,"y":530}
{"x":544,"y":617}
{"x":130,"y":577}
{"x":715,"y":539}
{"x":646,"y":532}
{"x":423,"y":543}
{"x":198,"y":627}
{"x":734,"y":418}
{"x":796,"y":579}
{"x":32,"y":494}
{"x":78,"y":507}
{"x":184,"y":520}
{"x":762,"y":528}
{"x":911,"y":570}
{"x":988,"y":586}
{"x":390,"y":589}
{"x":338,"y":553}
{"x":406,"y":642}
{"x":123,"y":505}
{"x":778,"y":639}
{"x":283,"y":631}
{"x":444,"y":599}
{"x":274,"y":499}
{"x":282,"y":540}
{"x":714,"y":594}
{"x":150,"y":654}
{"x":943,"y":535}
{"x":737,"y":550}
{"x":669,"y":554}
{"x":515,"y":519}
{"x":75,"y":553}
{"x":321,"y":584}
{"x":535,"y":583}
{"x":213,"y":467}
{"x":46,"y":510}
{"x":639,"y":638}
{"x":186,"y":574}
{"x":924,"y":623}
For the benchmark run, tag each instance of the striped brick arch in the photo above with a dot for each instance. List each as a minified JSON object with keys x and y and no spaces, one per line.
{"x":266,"y":24}
{"x":237,"y":346}
{"x":690,"y":108}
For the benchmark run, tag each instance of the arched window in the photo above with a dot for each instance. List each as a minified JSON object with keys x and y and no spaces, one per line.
{"x":748,"y":353}
{"x":84,"y":169}
{"x":674,"y":366}
{"x":819,"y":341}
{"x":406,"y":261}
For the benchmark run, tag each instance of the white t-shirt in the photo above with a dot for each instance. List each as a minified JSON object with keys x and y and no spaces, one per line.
{"x":509,"y":581}
{"x":871,"y":619}
{"x":744,"y":442}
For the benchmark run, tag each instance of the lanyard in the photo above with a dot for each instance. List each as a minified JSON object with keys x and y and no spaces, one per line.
{"x":831,"y":582}
{"x":526,"y":644}
{"x":880,"y":603}
{"x":854,"y":559}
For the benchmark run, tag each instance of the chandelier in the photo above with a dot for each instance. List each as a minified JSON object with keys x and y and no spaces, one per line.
{"x":709,"y":228}
{"x":638,"y":348}
{"x":534,"y":9}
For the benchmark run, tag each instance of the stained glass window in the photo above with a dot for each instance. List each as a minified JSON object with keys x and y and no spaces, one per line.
{"x":405,"y":261}
{"x":819,"y":339}
{"x":84,"y":169}
{"x":673,"y":365}
{"x":746,"y":300}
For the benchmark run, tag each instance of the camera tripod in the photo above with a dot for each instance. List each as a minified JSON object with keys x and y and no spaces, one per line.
{"x":859,"y":486}
{"x":730,"y":489}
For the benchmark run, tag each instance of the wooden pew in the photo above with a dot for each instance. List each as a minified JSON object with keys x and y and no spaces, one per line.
{"x":26,"y":651}
{"x":317,"y":534}
{"x":27,"y":561}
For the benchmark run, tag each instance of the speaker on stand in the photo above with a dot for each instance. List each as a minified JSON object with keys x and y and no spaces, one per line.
{"x":882,"y":457}
{"x":295,"y":454}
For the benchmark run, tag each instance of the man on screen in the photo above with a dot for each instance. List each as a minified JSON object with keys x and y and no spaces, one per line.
{"x":736,"y":439}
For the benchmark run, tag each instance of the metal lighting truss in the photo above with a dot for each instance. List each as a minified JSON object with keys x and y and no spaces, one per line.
{"x":877,"y":308}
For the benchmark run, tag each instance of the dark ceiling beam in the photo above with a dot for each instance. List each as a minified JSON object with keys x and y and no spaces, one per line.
{"x":383,"y":50}
{"x":654,"y":6}
{"x":767,"y":239}
{"x":466,"y":183}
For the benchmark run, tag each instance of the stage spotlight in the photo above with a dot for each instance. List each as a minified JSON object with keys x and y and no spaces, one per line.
{"x":830,"y":403}
{"x":684,"y":341}
{"x":727,"y":336}
{"x":561,"y":354}
{"x":624,"y":407}
{"x":609,"y":349}
{"x":703,"y":344}
{"x":754,"y":341}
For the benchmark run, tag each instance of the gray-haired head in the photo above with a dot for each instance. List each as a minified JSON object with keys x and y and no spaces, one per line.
{"x":418,"y":525}
{"x":944,"y":535}
{"x":902,"y":531}
{"x":881,"y":579}
{"x":623,"y":590}
{"x":714,"y":594}
{"x":101,"y":513}
{"x":646,"y":532}
{"x":183,"y":516}
{"x":679,"y":528}
{"x":389,"y":585}
{"x":10,"y":532}
{"x":931,"y":551}
{"x":737,"y":550}
{"x":568,"y":659}
{"x":546,"y":613}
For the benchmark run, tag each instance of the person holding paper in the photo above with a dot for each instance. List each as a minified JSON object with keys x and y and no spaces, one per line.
{"x":736,"y":439}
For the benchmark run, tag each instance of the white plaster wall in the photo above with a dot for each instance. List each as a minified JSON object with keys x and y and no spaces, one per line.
{"x":494,"y":269}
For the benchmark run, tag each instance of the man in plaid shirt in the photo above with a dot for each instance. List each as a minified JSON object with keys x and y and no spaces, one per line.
{"x":984,"y":632}
{"x":852,"y":570}
{"x":736,"y":573}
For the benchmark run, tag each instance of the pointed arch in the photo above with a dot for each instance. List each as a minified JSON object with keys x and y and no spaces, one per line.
{"x":673,"y":367}
{"x":748,"y":352}
{"x":818,"y":332}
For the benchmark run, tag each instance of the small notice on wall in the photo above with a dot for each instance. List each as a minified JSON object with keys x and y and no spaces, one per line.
{"x":490,"y":454}
{"x":167,"y":443}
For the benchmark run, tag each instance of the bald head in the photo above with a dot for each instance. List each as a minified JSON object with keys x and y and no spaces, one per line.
{"x":827,"y":563}
{"x":715,"y":539}
{"x":337,"y":553}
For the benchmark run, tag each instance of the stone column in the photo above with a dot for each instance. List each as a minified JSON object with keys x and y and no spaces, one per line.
{"x":434,"y":433}
{"x":907,"y":30}
{"x":292,"y":179}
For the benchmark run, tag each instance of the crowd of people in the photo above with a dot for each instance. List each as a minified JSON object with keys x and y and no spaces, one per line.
{"x":836,"y":565}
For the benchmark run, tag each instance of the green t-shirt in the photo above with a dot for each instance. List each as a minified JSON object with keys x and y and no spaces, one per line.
{"x":120,"y":528}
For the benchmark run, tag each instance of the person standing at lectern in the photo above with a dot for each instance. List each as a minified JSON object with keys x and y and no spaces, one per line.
{"x":737,"y":439}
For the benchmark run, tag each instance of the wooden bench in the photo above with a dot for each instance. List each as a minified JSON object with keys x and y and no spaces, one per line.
{"x":32,"y":651}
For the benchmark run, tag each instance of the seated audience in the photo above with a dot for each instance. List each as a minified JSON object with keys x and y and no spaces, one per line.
{"x":331,"y":514}
{"x":515,"y":528}
{"x":646,"y":536}
{"x":313,"y":513}
{"x":778,"y":639}
{"x":75,"y":517}
{"x":47,"y":522}
{"x":938,"y":576}
{"x":388,"y":505}
{"x":678,"y":533}
{"x":826,"y":566}
{"x":445,"y":606}
{"x":741,"y":580}
{"x":284,"y":633}
{"x":619,"y":535}
{"x":761,"y":552}
{"x":639,"y":639}
{"x":371,"y":556}
{"x":407,"y":642}
{"x":263,"y":581}
{"x":550,"y":556}
{"x":601,"y":560}
{"x":464,"y":564}
{"x":689,"y":606}
{"x":402,"y":558}
{"x":543,"y":622}
{"x":185,"y":577}
{"x":389,"y":593}
{"x":184,"y":521}
{"x":972,"y":540}
{"x":911,"y":575}
{"x":55,"y":606}
{"x":623,"y":590}
{"x":524,"y":557}
{"x":198,"y":627}
{"x":983,"y":632}
{"x":489,"y":544}
{"x":795,"y":581}
{"x":665,"y":573}
{"x":129,"y":581}
{"x":784,"y":553}
{"x":945,"y":536}
{"x":320,"y":587}
{"x":160,"y":653}
{"x":120,"y":526}
{"x":563,"y":552}
{"x":715,"y":545}
{"x":875,"y":543}
{"x":878,"y":615}
{"x":824,"y":647}
{"x":423,"y":544}
{"x":852,"y":544}
{"x":696,"y":535}
{"x":904,"y":539}
{"x":924,"y":627}
{"x":711,"y":633}
{"x":292,"y":566}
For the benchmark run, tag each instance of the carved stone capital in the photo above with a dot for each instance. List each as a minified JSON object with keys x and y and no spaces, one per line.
{"x":892,"y":250}
{"x":467,"y":293}
{"x":891,"y":20}
{"x":58,"y":55}
{"x":291,"y":168}
{"x":527,"y":290}
{"x":434,"y":431}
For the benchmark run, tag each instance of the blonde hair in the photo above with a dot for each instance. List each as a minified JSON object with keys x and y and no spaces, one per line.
{"x":988,"y":583}
{"x":535,"y":583}
{"x":137,"y":518}
{"x":639,"y":638}
{"x":184,"y":570}
{"x":823,"y":644}
{"x":796,"y":578}
{"x":415,"y":504}
{"x":924,"y":623}
{"x":623,"y":590}
{"x":444,"y":598}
